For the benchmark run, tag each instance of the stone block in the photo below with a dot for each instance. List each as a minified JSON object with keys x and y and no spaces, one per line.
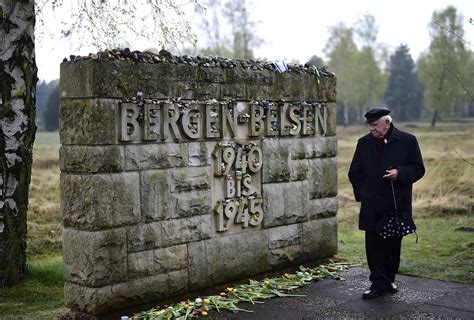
{"x":322,"y":178}
{"x":187,"y":204}
{"x":294,"y":87}
{"x":178,"y":282}
{"x":91,"y":159}
{"x":116,"y":297}
{"x":197,"y":265}
{"x":88,"y":122}
{"x":310,"y":85}
{"x":185,"y":89}
{"x":156,"y":80}
{"x":101,"y":79}
{"x":263,"y":92}
{"x":328,"y":90}
{"x":189,"y":179}
{"x":144,"y":237}
{"x":284,"y":236}
{"x":170,"y":258}
{"x":286,"y":256}
{"x":138,"y":292}
{"x":76,"y":79}
{"x":264,"y":77}
{"x":200,"y":153}
{"x":140,"y":264}
{"x":322,"y":208}
{"x":282,"y":210}
{"x":236,"y":91}
{"x":100,"y":201}
{"x":206,"y":90}
{"x":183,"y":72}
{"x":178,"y":231}
{"x":235,"y":256}
{"x":240,"y":75}
{"x":175,"y":193}
{"x":95,"y":258}
{"x":299,"y":170}
{"x":319,"y":238}
{"x":313,"y":147}
{"x":276,"y":153}
{"x":154,"y":191}
{"x":155,"y":156}
{"x":214,"y":75}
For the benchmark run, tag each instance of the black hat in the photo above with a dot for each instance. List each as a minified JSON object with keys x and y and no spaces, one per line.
{"x":375,"y":114}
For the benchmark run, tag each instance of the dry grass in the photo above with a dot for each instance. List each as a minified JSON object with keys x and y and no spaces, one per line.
{"x":44,"y":219}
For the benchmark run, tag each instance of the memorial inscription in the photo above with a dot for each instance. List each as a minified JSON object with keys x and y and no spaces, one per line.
{"x":237,"y":159}
{"x":194,"y":120}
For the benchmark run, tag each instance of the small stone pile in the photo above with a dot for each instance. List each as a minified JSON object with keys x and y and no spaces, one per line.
{"x":163,"y":56}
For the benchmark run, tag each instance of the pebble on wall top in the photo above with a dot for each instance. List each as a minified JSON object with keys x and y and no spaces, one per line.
{"x":151,"y":56}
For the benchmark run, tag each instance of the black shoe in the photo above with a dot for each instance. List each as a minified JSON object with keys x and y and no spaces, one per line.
{"x":392,"y":288}
{"x":372,"y":293}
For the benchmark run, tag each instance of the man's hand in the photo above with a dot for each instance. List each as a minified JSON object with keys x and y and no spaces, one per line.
{"x":391,"y":175}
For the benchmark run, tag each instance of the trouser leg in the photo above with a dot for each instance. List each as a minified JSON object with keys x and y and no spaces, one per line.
{"x":392,"y":261}
{"x":376,"y":251}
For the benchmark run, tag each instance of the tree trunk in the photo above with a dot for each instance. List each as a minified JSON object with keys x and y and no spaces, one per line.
{"x":433,"y":120}
{"x":17,"y":132}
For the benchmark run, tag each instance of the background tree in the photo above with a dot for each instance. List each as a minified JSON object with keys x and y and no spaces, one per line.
{"x":43,"y":90}
{"x":316,"y":61}
{"x":51,"y":112}
{"x":361,"y":81}
{"x":442,"y":70}
{"x":404,"y":94}
{"x":232,"y":15}
{"x":103,"y":23}
{"x":371,"y":80}
{"x":342,"y":60}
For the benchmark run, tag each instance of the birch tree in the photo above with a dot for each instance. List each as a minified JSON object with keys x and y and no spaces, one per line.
{"x":443,"y":69}
{"x":17,"y":132}
{"x":101,"y":23}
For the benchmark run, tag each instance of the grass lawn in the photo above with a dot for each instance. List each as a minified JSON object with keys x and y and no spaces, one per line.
{"x":443,"y":202}
{"x":39,"y":297}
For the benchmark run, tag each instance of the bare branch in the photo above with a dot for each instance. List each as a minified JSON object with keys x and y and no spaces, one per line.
{"x":451,"y":31}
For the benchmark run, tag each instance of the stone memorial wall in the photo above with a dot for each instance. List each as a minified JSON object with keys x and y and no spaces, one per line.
{"x":179,"y":174}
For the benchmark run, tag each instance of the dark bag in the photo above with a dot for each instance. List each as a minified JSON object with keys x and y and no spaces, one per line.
{"x":395,"y":223}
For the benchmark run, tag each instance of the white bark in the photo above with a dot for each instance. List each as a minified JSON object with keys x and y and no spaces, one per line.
{"x":17,"y":130}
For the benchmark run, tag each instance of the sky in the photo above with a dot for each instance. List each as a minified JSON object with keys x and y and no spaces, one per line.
{"x":294,"y":30}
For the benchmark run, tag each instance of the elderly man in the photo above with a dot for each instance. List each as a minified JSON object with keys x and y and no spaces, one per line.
{"x":383,"y":156}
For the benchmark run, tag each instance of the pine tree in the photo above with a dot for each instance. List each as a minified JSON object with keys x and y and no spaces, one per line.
{"x":404,"y":93}
{"x":51,"y":112}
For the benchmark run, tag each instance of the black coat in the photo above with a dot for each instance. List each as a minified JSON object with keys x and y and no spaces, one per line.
{"x":368,"y":166}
